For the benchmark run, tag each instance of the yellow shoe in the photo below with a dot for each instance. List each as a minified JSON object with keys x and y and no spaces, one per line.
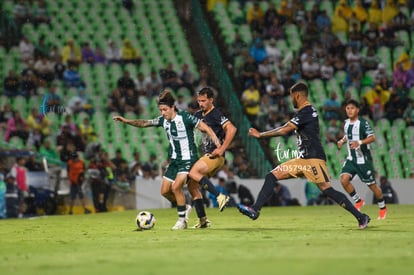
{"x":202,"y":223}
{"x":222,"y":200}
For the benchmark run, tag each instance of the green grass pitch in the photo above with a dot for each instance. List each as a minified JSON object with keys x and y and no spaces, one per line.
{"x":284,"y":240}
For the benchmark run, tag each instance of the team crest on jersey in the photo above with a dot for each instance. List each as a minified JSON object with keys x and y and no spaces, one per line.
{"x":180,"y":124}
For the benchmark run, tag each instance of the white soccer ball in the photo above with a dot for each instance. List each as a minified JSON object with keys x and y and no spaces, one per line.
{"x":145,"y":220}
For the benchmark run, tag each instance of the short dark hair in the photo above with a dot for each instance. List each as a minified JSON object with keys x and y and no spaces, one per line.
{"x":352,"y":102}
{"x":299,"y":87}
{"x":207,"y":91}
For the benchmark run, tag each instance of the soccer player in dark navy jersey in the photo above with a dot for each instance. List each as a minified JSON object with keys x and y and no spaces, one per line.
{"x":311,"y":160}
{"x":212,"y":158}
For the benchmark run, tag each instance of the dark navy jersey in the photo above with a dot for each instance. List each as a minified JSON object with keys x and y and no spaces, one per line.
{"x":307,"y":133}
{"x":215,"y":120}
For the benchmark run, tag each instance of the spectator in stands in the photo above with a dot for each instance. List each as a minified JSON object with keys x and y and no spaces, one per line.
{"x":388,"y":37}
{"x":59,"y":67}
{"x":26,"y":49}
{"x":153,"y":84}
{"x":273,"y":52}
{"x":265,"y":70}
{"x":65,"y":143}
{"x":399,"y":75}
{"x":41,"y":48}
{"x":129,"y":54}
{"x":275,"y":31}
{"x":355,"y":37}
{"x":132,"y":102}
{"x":11,"y":84}
{"x":28,"y":85}
{"x":152,"y":164}
{"x":343,"y":9}
{"x":52,"y":102}
{"x":248,"y":71}
{"x":380,"y":73}
{"x":118,"y":159}
{"x":310,"y":68}
{"x":376,"y":99}
{"x":47,"y":151}
{"x":372,"y":36}
{"x":327,"y":70}
{"x":80,"y":140}
{"x":353,"y":76}
{"x":285,"y":12}
{"x":112,"y":53}
{"x":39,"y":122}
{"x":364,"y":109}
{"x":389,"y":194}
{"x":99,"y":56}
{"x":88,"y":56}
{"x":409,"y":113}
{"x":389,"y":11}
{"x":370,"y":61}
{"x":187,"y":77}
{"x":116,"y":102}
{"x":125,"y":82}
{"x":80,"y":103}
{"x":394,"y":108}
{"x":135,"y":161}
{"x":180,"y":103}
{"x":170,"y":78}
{"x":71,"y":53}
{"x":16,"y":126}
{"x":76,"y":169}
{"x":87,"y":130}
{"x":44,"y":70}
{"x":270,"y":14}
{"x":323,"y":21}
{"x":410,"y":76}
{"x":374,"y":14}
{"x":360,"y":11}
{"x":72,"y":77}
{"x":21,"y":13}
{"x":140,"y":86}
{"x":203,"y":80}
{"x":339,"y":24}
{"x":258,"y":51}
{"x":333,"y":132}
{"x":40,"y":13}
{"x":237,"y":47}
{"x":400,"y":22}
{"x":250,"y":100}
{"x":255,"y":17}
{"x":332,"y":108}
{"x":5,"y":114}
{"x":68,"y":122}
{"x":275,"y":90}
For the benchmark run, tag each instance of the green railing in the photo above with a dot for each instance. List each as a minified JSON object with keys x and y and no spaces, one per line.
{"x":253,"y":149}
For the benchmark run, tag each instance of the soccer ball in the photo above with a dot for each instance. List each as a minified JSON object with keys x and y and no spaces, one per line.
{"x":145,"y":220}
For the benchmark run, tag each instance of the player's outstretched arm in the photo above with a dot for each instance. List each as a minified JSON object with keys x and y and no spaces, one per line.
{"x":280,"y":131}
{"x":134,"y":122}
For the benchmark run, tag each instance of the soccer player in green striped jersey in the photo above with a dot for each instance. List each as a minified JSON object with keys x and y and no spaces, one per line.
{"x":358,"y":136}
{"x":179,"y":126}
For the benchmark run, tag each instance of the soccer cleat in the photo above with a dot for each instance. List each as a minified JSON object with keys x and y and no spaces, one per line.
{"x":363,"y":221}
{"x":248,"y":211}
{"x":222,"y":200}
{"x":382,"y":213}
{"x":188,"y":209}
{"x":179,"y":225}
{"x":202,"y":223}
{"x":359,"y":204}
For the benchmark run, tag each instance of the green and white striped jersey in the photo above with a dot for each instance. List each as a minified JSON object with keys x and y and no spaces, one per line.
{"x":358,"y":130}
{"x":180,"y":133}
